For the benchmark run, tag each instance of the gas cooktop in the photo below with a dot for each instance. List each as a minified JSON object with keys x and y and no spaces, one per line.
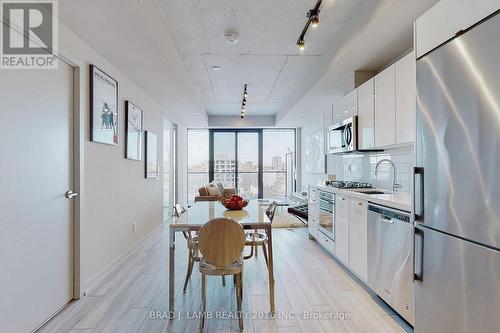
{"x":347,"y":184}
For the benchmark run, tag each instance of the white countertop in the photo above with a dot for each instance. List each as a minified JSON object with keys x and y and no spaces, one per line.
{"x":397,"y":200}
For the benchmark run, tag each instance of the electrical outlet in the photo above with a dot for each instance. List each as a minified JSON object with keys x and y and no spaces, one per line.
{"x":134,"y":227}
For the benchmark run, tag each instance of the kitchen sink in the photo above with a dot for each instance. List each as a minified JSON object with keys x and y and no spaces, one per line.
{"x":372,"y":192}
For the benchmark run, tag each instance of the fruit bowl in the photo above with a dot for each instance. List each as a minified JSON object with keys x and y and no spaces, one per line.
{"x":234,"y":202}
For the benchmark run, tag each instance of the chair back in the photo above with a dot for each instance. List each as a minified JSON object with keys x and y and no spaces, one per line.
{"x":178,"y":210}
{"x":221,"y":242}
{"x":271,"y":210}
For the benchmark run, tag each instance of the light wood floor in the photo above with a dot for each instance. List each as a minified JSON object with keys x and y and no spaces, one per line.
{"x":307,"y":281}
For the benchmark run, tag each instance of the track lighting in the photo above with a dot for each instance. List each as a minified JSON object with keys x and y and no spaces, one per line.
{"x":301,"y":44}
{"x":312,"y":20}
{"x":244,"y":102}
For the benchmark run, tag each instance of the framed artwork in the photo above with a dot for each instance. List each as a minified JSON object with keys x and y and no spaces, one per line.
{"x":103,"y":107}
{"x":315,"y":153}
{"x":133,"y":131}
{"x":152,"y":167}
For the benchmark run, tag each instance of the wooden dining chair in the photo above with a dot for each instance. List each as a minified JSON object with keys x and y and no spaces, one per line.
{"x":254,"y":239}
{"x":221,"y":242}
{"x":193,"y":252}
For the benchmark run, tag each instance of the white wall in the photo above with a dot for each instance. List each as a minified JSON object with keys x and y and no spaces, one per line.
{"x":182,"y":164}
{"x":315,"y":124}
{"x":115,"y":193}
{"x":361,"y":167}
{"x":358,"y":166}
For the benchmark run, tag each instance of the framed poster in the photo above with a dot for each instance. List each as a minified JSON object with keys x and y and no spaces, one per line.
{"x":315,"y":153}
{"x":152,"y":167}
{"x":133,"y":131}
{"x":103,"y":107}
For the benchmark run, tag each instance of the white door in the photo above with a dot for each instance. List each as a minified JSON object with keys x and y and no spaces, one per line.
{"x":36,"y":222}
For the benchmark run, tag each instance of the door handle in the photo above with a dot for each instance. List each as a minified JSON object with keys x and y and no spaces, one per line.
{"x":418,"y":260}
{"x":70,"y":194}
{"x":419,"y":213}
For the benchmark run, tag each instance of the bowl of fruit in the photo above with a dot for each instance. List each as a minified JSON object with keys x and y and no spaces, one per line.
{"x":234,"y":202}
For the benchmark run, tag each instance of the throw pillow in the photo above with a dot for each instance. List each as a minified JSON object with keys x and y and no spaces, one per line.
{"x":203,"y":191}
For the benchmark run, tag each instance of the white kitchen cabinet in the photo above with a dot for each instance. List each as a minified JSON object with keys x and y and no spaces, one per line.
{"x":312,"y":226}
{"x":347,"y":107}
{"x":342,"y":228}
{"x":358,"y":238}
{"x":313,"y":212}
{"x":446,"y":18}
{"x":406,"y":85}
{"x":385,"y":107}
{"x":366,"y":115}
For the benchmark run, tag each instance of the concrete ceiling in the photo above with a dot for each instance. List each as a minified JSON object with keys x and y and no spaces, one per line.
{"x":133,"y":37}
{"x":379,"y":33}
{"x":265,"y":57}
{"x":167,"y":47}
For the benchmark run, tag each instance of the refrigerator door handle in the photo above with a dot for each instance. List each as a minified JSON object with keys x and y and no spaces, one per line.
{"x":418,"y":261}
{"x":419,"y":212}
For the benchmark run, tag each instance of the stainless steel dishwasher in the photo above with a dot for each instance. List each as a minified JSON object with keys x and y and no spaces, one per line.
{"x":390,"y":258}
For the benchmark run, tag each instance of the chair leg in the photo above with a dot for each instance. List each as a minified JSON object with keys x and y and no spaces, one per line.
{"x":264,"y":250}
{"x":250,"y":255}
{"x":189,"y":270}
{"x":239,"y":291}
{"x":223,"y":280}
{"x":203,"y":301}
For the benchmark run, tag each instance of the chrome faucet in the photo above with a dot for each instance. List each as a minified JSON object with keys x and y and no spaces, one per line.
{"x":395,"y":184}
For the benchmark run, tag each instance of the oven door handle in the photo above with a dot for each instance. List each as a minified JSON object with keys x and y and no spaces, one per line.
{"x":326,"y":210}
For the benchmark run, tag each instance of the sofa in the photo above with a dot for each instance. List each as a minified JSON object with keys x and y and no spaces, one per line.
{"x":213,"y":192}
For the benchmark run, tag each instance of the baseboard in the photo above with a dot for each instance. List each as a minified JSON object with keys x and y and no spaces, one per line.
{"x":99,"y":276}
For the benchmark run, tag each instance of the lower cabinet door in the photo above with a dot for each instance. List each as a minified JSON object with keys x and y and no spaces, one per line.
{"x":342,"y":239}
{"x":358,"y":252}
{"x":312,"y":225}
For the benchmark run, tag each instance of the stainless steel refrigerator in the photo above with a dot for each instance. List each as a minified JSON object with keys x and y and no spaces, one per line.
{"x":457,"y":184}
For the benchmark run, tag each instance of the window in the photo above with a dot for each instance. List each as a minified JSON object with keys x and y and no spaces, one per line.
{"x":259,"y":163}
{"x":198,"y":163}
{"x":248,"y":164}
{"x":279,"y":162}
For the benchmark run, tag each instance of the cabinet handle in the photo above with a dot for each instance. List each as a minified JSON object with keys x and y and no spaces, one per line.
{"x":360,"y":204}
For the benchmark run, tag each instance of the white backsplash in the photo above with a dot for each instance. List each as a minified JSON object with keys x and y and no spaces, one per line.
{"x":361,"y":167}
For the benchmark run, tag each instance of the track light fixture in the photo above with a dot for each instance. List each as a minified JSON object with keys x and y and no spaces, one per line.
{"x":244,"y":102}
{"x":312,"y":20}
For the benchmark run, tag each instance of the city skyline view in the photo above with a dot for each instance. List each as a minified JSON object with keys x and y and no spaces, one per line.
{"x":276,"y":144}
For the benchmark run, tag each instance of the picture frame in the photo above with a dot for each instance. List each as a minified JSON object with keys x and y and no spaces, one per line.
{"x":104,"y":113}
{"x":152,"y":168}
{"x":134,"y":128}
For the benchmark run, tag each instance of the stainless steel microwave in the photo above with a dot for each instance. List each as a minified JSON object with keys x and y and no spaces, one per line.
{"x":342,"y":137}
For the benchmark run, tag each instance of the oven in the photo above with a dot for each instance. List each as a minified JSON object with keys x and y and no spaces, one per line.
{"x":327,"y":214}
{"x":342,"y":137}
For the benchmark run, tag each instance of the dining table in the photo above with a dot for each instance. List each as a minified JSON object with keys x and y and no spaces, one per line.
{"x":252,"y":217}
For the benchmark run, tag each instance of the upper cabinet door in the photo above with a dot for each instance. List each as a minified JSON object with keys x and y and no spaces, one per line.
{"x":366,"y":115}
{"x":446,"y":18}
{"x":405,"y":99}
{"x":385,"y":107}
